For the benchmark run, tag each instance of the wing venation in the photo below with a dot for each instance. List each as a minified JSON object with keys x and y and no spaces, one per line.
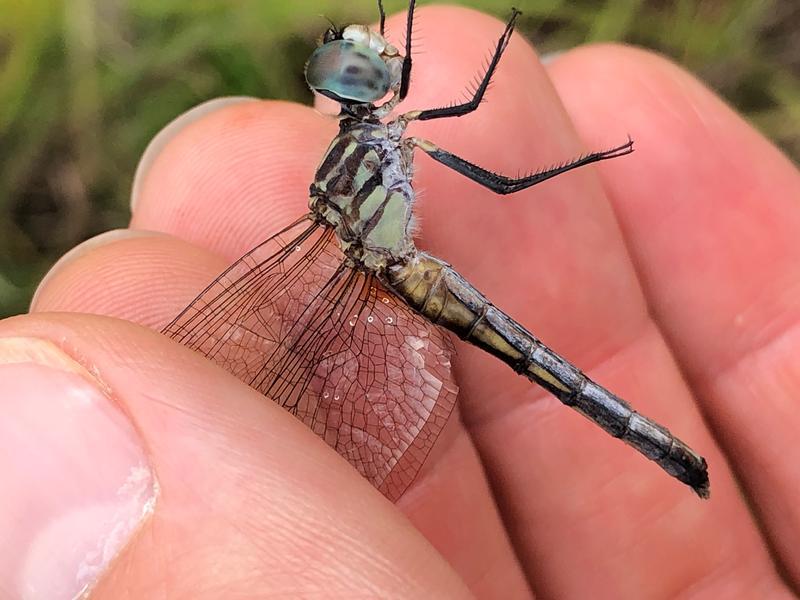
{"x":328,"y":343}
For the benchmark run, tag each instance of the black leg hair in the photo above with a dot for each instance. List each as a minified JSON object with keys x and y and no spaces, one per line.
{"x":459,"y":110}
{"x":501,"y":184}
{"x":383,"y":16}
{"x":405,"y":79}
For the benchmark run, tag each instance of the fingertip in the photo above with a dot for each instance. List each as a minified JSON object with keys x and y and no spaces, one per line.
{"x":170,"y":131}
{"x":227,"y":179}
{"x":77,"y":483}
{"x":75,"y":254}
{"x":243,"y":487}
{"x":616,"y":83}
{"x":139,"y":276}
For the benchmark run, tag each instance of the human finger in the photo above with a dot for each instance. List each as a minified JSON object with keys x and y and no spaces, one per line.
{"x":711,"y":218}
{"x":139,"y":276}
{"x":553,"y":257}
{"x":124,"y":473}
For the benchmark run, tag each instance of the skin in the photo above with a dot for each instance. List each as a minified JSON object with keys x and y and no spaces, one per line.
{"x":671,"y":276}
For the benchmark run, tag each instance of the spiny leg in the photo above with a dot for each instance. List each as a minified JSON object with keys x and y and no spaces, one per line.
{"x":459,"y":110}
{"x":405,"y":78}
{"x":500,"y":184}
{"x":382,"y":14}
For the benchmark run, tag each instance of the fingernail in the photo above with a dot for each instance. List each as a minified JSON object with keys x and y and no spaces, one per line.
{"x":76,"y":483}
{"x":172,"y":129}
{"x":83,"y":248}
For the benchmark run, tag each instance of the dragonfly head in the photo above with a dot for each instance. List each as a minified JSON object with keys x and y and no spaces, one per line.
{"x":354,"y":65}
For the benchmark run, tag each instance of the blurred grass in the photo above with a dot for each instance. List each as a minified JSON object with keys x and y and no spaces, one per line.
{"x":85,"y":84}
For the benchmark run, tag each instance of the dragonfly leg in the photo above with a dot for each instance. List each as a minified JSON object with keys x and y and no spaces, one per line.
{"x":382,"y":14}
{"x":459,"y":110}
{"x":500,"y":184}
{"x":436,"y":290}
{"x":405,"y":78}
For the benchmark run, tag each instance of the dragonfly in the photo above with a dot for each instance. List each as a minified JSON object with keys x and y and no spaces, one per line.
{"x":341,"y":320}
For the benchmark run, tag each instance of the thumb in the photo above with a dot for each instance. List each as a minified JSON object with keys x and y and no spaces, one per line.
{"x":130,"y":463}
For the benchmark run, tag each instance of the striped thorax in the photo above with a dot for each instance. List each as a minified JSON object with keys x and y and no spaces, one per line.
{"x":362,"y":189}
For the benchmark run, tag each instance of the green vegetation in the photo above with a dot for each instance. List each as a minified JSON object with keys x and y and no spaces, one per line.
{"x":85,"y":84}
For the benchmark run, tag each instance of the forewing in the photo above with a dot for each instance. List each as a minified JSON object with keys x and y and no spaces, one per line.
{"x":232,"y":320}
{"x":357,"y":365}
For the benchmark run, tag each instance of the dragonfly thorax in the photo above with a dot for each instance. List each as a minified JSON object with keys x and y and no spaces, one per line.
{"x":362,"y":190}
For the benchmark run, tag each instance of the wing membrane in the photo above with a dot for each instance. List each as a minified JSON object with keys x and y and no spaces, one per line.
{"x":358,"y":366}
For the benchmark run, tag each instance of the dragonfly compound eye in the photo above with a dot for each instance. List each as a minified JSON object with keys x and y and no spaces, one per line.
{"x":348,"y":72}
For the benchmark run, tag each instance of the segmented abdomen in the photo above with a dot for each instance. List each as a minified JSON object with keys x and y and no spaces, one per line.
{"x":437,"y":291}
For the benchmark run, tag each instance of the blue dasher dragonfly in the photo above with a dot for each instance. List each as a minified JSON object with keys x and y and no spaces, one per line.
{"x":341,"y":320}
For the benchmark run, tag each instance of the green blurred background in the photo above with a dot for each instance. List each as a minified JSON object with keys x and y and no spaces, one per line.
{"x":85,"y":84}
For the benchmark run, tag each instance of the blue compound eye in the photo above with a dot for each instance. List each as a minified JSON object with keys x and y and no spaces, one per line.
{"x":348,"y":72}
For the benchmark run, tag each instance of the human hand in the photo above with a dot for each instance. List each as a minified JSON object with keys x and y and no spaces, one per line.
{"x":667,"y":275}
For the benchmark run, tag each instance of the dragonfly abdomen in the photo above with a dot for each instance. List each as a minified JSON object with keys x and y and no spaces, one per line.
{"x":437,"y":291}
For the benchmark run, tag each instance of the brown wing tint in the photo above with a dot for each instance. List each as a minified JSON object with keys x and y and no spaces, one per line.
{"x":354,"y":363}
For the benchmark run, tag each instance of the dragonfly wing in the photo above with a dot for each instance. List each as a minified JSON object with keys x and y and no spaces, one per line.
{"x":328,"y":343}
{"x":227,"y":323}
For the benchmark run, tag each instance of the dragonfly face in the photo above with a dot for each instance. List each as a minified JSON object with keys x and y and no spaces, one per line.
{"x":354,"y":66}
{"x":335,"y":317}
